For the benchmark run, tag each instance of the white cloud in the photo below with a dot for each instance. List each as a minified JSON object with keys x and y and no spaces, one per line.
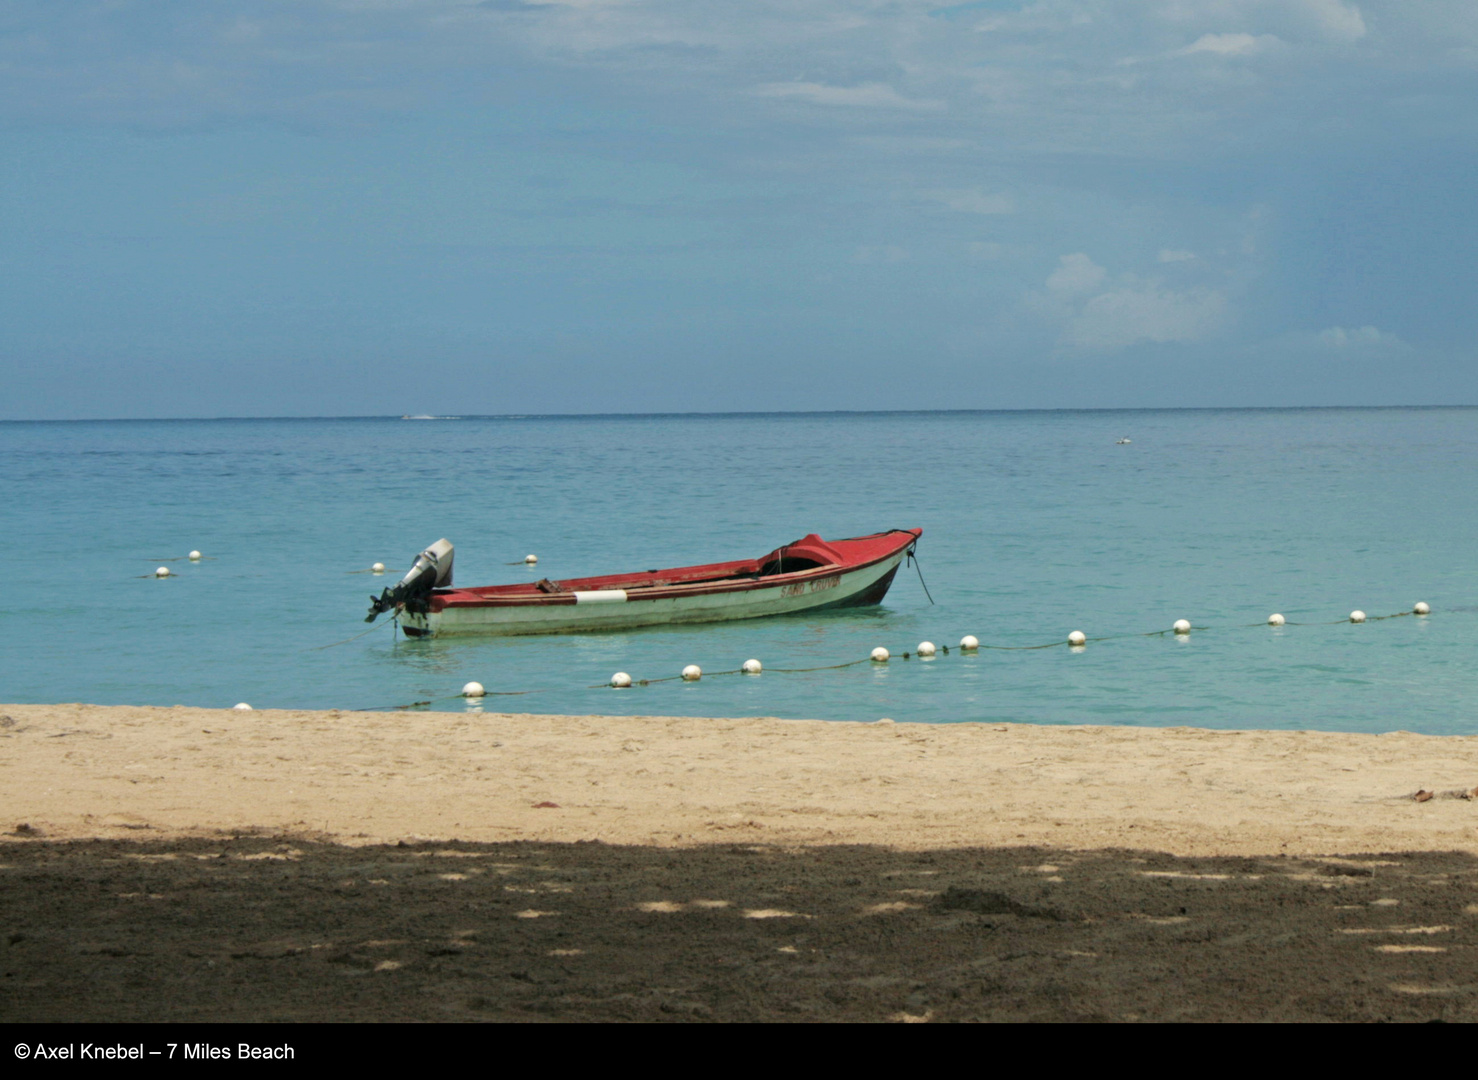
{"x":1230,"y":44}
{"x":1170,"y":255}
{"x":1075,"y":274}
{"x":1359,"y":338}
{"x":1339,"y":20}
{"x":1144,"y":311}
{"x":973,"y":201}
{"x":1102,"y":315}
{"x":911,"y":144}
{"x":872,"y":95}
{"x":1299,"y":20}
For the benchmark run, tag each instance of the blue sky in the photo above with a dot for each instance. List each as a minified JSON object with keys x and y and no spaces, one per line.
{"x":348,"y":207}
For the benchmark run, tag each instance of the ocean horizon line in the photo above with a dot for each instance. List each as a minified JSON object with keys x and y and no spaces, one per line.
{"x":734,"y":414}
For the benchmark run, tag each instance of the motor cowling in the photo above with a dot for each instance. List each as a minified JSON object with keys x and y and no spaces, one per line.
{"x":431,"y":570}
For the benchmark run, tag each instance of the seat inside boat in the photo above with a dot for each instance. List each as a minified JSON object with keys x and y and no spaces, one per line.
{"x":807,"y":553}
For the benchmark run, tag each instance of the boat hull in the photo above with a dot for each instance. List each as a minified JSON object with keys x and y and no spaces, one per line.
{"x":785,"y":594}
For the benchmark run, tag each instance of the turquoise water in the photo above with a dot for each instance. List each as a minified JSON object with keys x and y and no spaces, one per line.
{"x":1035,"y":524}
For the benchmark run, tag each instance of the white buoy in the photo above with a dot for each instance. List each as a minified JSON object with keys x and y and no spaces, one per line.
{"x":969,"y":642}
{"x":752,"y":667}
{"x":473,"y":689}
{"x":692,"y":673}
{"x":1421,"y":608}
{"x":1276,"y":620}
{"x":1182,"y":626}
{"x":531,"y":559}
{"x":1077,"y":637}
{"x":378,"y":568}
{"x":1357,"y":616}
{"x":163,"y":571}
{"x":926,"y":648}
{"x":620,"y":680}
{"x":880,"y":655}
{"x":194,"y":556}
{"x":241,"y":706}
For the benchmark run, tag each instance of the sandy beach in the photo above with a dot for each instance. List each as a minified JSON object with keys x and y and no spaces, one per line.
{"x":190,"y":863}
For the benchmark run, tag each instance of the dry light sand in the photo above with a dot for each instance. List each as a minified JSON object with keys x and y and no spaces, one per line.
{"x":201,"y":864}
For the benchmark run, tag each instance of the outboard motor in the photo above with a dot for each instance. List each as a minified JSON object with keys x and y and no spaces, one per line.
{"x":432,"y":570}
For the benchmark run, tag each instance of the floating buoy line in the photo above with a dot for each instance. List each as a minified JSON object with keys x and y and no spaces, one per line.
{"x":881,"y":656}
{"x":1076,"y":641}
{"x":165,"y":572}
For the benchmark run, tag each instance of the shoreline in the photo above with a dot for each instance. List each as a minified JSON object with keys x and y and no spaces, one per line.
{"x":194,"y":864}
{"x":71,"y":772}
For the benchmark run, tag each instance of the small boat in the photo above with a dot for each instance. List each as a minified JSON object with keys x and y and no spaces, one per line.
{"x":809,"y":574}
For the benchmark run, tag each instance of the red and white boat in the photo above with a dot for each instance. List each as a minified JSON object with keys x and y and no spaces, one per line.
{"x":808,"y":575}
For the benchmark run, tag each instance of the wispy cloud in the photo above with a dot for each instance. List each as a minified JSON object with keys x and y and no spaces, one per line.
{"x":873,"y":95}
{"x":1230,"y":44}
{"x":1361,"y":338}
{"x":973,"y":201}
{"x":1338,"y":19}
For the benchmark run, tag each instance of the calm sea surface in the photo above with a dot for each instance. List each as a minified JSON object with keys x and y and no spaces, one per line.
{"x":1035,"y":524}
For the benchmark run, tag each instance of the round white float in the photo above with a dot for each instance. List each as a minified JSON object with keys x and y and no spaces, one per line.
{"x":241,"y":706}
{"x":1421,"y":608}
{"x":194,"y":556}
{"x":880,"y":655}
{"x":473,"y":689}
{"x":620,"y":680}
{"x":926,"y":648}
{"x":1357,"y":616}
{"x":531,"y":559}
{"x":752,"y":667}
{"x":969,"y":642}
{"x":1077,"y":637}
{"x":1182,"y":626}
{"x":692,"y":673}
{"x":378,"y":568}
{"x":163,"y":571}
{"x":1276,"y":620}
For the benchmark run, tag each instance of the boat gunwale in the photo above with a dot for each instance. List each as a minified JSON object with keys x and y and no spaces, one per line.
{"x":471,"y":598}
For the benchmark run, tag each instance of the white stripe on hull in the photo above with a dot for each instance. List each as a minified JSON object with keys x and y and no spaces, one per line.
{"x":612,"y":614}
{"x":602,"y":596}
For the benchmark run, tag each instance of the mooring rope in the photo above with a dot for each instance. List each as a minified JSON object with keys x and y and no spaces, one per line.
{"x":378,"y":626}
{"x":920,"y":571}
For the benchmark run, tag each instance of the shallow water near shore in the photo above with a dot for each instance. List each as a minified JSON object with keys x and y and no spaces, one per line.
{"x":1035,"y":524}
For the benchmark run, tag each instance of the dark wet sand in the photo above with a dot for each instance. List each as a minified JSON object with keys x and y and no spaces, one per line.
{"x":275,"y":928}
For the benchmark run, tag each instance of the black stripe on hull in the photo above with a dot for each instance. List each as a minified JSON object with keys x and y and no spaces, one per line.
{"x":873,"y":594}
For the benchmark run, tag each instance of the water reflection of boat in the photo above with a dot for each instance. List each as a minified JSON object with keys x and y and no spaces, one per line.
{"x":808,"y":575}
